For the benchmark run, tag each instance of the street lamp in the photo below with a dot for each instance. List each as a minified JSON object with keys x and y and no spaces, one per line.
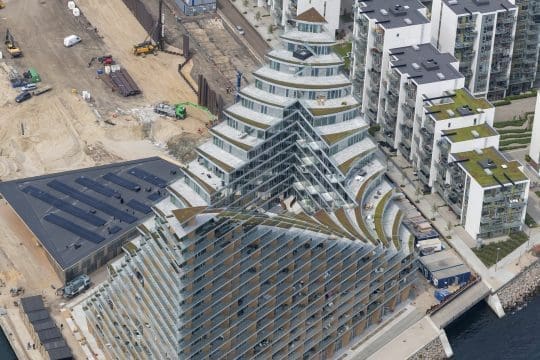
{"x":497,"y":260}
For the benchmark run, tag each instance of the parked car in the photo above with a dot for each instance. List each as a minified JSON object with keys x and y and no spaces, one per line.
{"x":29,"y":87}
{"x":240,"y":30}
{"x":71,"y":40}
{"x":25,"y":95}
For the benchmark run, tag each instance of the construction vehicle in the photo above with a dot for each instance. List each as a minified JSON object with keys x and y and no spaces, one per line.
{"x":2,"y":5}
{"x":145,"y":48}
{"x":11,"y":45}
{"x":76,"y":286}
{"x":148,"y":46}
{"x":177,"y":111}
{"x":106,"y":60}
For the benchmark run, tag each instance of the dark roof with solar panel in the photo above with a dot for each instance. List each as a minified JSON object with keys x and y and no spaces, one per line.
{"x":76,"y":213}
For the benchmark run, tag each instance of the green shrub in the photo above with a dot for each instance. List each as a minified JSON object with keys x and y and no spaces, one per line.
{"x":521,"y":96}
{"x":529,"y":221}
{"x":514,"y":122}
{"x":515,"y":141}
{"x":374,"y":130}
{"x":514,"y":131}
{"x":512,"y":147}
{"x":527,"y":158}
{"x":501,"y":102}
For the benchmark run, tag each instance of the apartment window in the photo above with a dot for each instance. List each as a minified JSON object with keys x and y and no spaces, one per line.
{"x":258,"y":84}
{"x":275,"y":65}
{"x":315,"y":72}
{"x":264,"y":109}
{"x":272,"y":89}
{"x":329,"y":71}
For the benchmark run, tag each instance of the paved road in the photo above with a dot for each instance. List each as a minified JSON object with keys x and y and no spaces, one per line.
{"x":257,"y":43}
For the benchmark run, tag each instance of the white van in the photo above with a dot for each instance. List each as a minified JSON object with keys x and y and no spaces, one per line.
{"x":71,"y":40}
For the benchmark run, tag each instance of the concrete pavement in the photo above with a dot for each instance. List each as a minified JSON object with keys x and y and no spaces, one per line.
{"x":517,"y":107}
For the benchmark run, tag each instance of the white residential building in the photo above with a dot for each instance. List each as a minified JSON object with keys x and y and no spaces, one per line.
{"x":380,"y":26}
{"x":415,"y":74}
{"x":332,"y":10}
{"x":479,"y":33}
{"x":534,"y":150}
{"x":455,"y":122}
{"x":488,"y":192}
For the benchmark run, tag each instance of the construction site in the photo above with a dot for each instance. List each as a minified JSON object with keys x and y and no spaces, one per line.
{"x":78,"y":115}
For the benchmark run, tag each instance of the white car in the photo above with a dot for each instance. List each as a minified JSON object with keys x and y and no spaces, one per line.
{"x":71,"y":40}
{"x":240,"y":30}
{"x":29,"y":87}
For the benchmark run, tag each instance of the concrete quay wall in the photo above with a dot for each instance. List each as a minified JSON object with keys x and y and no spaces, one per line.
{"x":521,"y":288}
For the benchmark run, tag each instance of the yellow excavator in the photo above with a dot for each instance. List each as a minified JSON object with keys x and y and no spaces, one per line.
{"x":145,"y":48}
{"x":11,"y":45}
{"x":2,"y":5}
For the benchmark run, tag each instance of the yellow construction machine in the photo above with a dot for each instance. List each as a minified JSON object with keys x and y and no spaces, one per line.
{"x":144,"y":48}
{"x":2,"y":5}
{"x":11,"y":45}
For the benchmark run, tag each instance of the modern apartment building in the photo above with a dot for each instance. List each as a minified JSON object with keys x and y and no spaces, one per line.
{"x":380,"y":26}
{"x":415,"y":74}
{"x":286,"y":260}
{"x":331,"y":10}
{"x":480,"y":34}
{"x":488,"y":192}
{"x":525,"y":55}
{"x":534,"y":148}
{"x":456,"y":121}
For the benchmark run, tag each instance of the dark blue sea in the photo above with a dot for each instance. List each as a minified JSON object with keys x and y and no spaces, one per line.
{"x":480,"y":335}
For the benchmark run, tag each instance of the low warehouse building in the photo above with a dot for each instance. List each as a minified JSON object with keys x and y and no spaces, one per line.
{"x":82,"y":218}
{"x":444,"y":268}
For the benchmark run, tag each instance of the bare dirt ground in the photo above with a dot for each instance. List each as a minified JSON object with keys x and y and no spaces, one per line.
{"x":58,"y":130}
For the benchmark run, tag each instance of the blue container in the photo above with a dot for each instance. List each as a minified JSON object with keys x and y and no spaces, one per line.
{"x":99,"y":71}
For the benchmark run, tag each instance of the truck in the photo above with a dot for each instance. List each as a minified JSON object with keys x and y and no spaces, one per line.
{"x":76,"y":286}
{"x":177,"y":111}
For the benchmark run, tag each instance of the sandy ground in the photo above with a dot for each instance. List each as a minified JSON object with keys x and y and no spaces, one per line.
{"x":58,"y":130}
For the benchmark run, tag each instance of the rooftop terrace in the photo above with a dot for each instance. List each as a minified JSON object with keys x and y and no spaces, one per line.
{"x":461,"y":7}
{"x":470,"y":132}
{"x":489,"y":165}
{"x":395,"y":13}
{"x":424,"y":64}
{"x":462,"y":103}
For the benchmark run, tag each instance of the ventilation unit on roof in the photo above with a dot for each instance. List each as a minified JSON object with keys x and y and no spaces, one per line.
{"x":452,"y":2}
{"x":450,"y":113}
{"x":415,"y":66}
{"x":398,"y":10}
{"x":441,"y":76}
{"x":488,"y":172}
{"x":487,"y":164}
{"x":430,"y":64}
{"x":416,"y":47}
{"x":407,"y":21}
{"x":384,"y":12}
{"x":504,"y":166}
{"x":478,"y":151}
{"x":475,"y":134}
{"x":481,"y":2}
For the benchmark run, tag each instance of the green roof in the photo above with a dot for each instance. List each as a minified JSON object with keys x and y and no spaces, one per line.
{"x":473,"y":167}
{"x":465,"y":134}
{"x":462,"y":98}
{"x":331,"y":139}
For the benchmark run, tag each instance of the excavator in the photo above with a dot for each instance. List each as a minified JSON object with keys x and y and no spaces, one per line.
{"x":2,"y":5}
{"x":11,"y":45}
{"x":148,"y":46}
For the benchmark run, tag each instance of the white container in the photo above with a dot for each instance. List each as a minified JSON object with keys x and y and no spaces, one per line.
{"x":71,"y":40}
{"x":107,"y":69}
{"x":76,"y":12}
{"x":115,"y":67}
{"x":71,"y":5}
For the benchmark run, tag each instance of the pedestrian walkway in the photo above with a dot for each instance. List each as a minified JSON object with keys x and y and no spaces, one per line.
{"x":260,"y":18}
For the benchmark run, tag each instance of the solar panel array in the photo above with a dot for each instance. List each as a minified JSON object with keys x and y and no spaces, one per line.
{"x":91,"y":201}
{"x":74,"y":228}
{"x":64,"y":206}
{"x":149,"y":178}
{"x":139,"y":206}
{"x":97,"y":187}
{"x":118,"y":180}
